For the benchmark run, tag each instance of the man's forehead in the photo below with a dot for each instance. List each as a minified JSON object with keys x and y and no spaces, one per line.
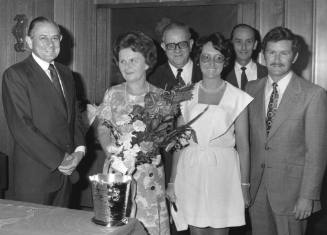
{"x":243,"y":32}
{"x":176,"y":34}
{"x":45,"y":28}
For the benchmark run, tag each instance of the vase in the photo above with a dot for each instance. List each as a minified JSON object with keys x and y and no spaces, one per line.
{"x":110,"y":193}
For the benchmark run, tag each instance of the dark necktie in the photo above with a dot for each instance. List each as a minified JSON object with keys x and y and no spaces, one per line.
{"x":179,"y":77}
{"x":272,"y":107}
{"x":244,"y":78}
{"x":55,"y":81}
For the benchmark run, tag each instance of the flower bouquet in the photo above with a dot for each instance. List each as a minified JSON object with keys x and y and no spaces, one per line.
{"x":137,"y":138}
{"x":139,"y":135}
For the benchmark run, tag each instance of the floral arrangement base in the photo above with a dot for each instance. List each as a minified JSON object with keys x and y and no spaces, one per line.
{"x":110,"y":193}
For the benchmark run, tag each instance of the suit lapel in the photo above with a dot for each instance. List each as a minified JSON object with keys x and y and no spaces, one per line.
{"x":287,"y":104}
{"x":45,"y":84}
{"x":261,"y":71}
{"x":67,"y":90}
{"x":259,"y":109}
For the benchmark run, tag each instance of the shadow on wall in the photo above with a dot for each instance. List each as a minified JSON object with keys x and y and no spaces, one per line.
{"x":304,"y":57}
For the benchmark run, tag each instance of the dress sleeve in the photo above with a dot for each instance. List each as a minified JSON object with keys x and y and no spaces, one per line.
{"x":104,"y":112}
{"x":238,"y":100}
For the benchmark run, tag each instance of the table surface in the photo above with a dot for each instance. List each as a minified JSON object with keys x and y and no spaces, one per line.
{"x":18,"y":218}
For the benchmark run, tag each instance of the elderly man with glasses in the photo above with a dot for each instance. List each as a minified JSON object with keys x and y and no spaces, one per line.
{"x":179,"y":69}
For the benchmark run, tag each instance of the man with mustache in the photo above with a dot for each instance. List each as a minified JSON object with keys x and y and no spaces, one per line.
{"x":245,"y":40}
{"x":288,"y":131}
{"x":39,"y":100}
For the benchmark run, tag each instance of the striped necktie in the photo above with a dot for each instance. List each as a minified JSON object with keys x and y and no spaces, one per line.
{"x":179,"y":77}
{"x":56,"y":82}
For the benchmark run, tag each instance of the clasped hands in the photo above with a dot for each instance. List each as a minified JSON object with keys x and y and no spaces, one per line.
{"x":70,"y":162}
{"x":303,"y":208}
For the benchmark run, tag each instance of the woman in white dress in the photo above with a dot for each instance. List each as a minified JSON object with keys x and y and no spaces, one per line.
{"x":210,"y":179}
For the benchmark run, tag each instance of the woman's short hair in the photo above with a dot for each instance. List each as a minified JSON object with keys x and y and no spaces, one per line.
{"x":219,"y":43}
{"x":138,"y":42}
{"x":279,"y":34}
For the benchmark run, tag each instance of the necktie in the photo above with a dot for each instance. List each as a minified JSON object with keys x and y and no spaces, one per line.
{"x":179,"y":77}
{"x":272,"y":107}
{"x":55,"y":81}
{"x":244,"y":78}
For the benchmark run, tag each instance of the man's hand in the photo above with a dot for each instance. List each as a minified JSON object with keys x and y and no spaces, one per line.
{"x":303,"y":208}
{"x":70,"y":162}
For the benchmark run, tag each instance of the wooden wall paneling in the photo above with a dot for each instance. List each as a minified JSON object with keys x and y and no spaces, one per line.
{"x":247,"y":13}
{"x":271,"y":15}
{"x":319,"y":43}
{"x":84,"y":45}
{"x":299,"y":18}
{"x":64,"y":16}
{"x":104,"y":53}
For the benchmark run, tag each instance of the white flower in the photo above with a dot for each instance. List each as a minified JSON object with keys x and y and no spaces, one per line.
{"x":126,"y":139}
{"x":124,"y":119}
{"x":114,"y":149}
{"x":139,"y":125}
{"x":132,"y":152}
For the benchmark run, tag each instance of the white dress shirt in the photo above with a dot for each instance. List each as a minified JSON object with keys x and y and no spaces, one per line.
{"x":251,"y":71}
{"x":186,"y":73}
{"x":281,"y":87}
{"x":45,"y":66}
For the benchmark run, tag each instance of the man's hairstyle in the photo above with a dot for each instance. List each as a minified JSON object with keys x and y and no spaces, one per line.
{"x":176,"y":25}
{"x":281,"y":33}
{"x":254,"y":31}
{"x":138,"y":42}
{"x":40,"y":19}
{"x":219,"y":43}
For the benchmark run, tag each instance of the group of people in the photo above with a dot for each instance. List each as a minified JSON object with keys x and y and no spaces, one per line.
{"x":260,"y":144}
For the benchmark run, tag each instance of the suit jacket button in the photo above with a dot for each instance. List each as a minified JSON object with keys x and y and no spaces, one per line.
{"x":267,"y":147}
{"x":263,"y":165}
{"x":153,"y":188}
{"x":151,"y":174}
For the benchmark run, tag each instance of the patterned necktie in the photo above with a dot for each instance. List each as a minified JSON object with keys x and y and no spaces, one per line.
{"x":272,"y":107}
{"x":179,"y":77}
{"x":55,"y":81}
{"x":244,"y":79}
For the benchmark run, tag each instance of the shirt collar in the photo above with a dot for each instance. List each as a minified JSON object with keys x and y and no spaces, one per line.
{"x":282,"y":83}
{"x":186,"y":67}
{"x":249,"y":66}
{"x":43,"y":64}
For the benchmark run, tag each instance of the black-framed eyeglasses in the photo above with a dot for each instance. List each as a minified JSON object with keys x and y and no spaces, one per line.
{"x":180,"y":45}
{"x":217,"y":59}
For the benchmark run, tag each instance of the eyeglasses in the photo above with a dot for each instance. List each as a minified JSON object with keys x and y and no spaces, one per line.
{"x":217,"y":59}
{"x":180,"y":45}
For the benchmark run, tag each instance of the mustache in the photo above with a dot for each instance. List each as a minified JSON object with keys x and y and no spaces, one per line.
{"x":276,"y":64}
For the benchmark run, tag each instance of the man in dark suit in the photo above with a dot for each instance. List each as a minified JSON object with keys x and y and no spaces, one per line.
{"x":41,"y":111}
{"x":245,"y":42}
{"x":177,"y":44}
{"x":288,"y":132}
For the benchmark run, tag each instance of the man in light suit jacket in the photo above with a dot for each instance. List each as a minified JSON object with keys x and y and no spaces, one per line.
{"x":177,"y":44}
{"x":41,"y":111}
{"x":288,"y":147}
{"x":245,"y":40}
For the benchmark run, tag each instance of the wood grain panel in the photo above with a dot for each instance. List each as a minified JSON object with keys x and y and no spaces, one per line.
{"x":299,"y":18}
{"x":320,"y":45}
